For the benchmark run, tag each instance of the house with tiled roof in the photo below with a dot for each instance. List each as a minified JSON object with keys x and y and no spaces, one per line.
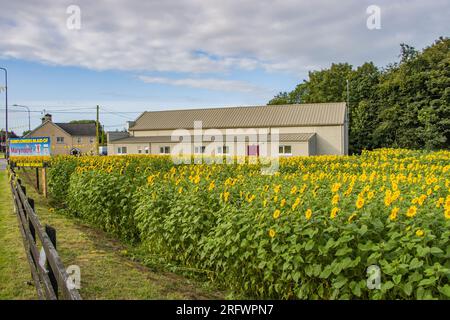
{"x":296,"y":129}
{"x":67,"y":138}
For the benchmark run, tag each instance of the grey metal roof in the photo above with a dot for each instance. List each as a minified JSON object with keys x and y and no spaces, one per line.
{"x":143,"y":139}
{"x":79,"y":129}
{"x":318,"y":114}
{"x":116,"y":135}
{"x":294,"y":137}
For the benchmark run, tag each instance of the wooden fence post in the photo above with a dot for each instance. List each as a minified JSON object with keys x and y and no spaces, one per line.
{"x":51,"y":232}
{"x":37,"y":179}
{"x":44,"y":181}
{"x":32,"y":230}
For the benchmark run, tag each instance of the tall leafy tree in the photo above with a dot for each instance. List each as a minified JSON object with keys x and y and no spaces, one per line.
{"x":406,"y":104}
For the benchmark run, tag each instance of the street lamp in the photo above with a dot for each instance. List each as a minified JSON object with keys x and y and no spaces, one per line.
{"x":28,"y":109}
{"x":6,"y":113}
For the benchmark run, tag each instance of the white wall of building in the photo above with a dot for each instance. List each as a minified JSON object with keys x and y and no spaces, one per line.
{"x":329,"y":139}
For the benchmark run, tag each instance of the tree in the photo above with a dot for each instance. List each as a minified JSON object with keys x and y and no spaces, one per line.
{"x":281,"y":98}
{"x":362,"y":106}
{"x":406,"y":104}
{"x":414,"y":99}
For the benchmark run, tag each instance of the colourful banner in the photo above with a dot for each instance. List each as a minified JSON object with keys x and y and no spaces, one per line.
{"x":33,"y":146}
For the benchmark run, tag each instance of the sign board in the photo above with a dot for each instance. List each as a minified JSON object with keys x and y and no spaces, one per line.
{"x":33,"y":146}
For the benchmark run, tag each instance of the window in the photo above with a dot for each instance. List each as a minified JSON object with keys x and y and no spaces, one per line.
{"x":121,"y":150}
{"x":59,"y":139}
{"x":164,"y":150}
{"x":223,"y":150}
{"x":139,"y":149}
{"x":91,"y":140}
{"x":79,"y":140}
{"x":146,"y":150}
{"x":286,"y":150}
{"x":200,"y":149}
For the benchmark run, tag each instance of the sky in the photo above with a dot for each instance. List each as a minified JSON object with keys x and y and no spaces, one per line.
{"x":66,"y":57}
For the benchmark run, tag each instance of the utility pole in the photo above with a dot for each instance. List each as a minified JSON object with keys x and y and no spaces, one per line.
{"x":348,"y":95}
{"x":348,"y":102}
{"x":97,"y":130}
{"x":347,"y":117}
{"x":6,"y":113}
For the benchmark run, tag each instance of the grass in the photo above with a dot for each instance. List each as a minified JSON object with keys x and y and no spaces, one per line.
{"x":14,"y":269}
{"x":107,"y":268}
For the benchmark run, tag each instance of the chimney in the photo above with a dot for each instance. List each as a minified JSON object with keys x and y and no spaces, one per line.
{"x":131,"y":124}
{"x":47,"y":117}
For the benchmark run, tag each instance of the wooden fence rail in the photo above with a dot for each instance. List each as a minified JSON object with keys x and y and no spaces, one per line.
{"x":51,"y":278}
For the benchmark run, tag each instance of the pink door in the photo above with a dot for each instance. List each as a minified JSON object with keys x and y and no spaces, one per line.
{"x":253,"y":150}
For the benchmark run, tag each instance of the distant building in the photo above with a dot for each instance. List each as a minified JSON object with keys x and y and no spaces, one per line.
{"x":67,"y":138}
{"x":11,"y":134}
{"x":303,"y":129}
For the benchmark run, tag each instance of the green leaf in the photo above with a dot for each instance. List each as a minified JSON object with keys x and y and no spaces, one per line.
{"x":387,"y":286}
{"x":346,"y":263}
{"x":427,"y":282}
{"x":356,"y":289}
{"x":420,"y":293}
{"x":407,"y":288}
{"x":415,"y":263}
{"x":336,"y":267}
{"x":340,"y":281}
{"x":445,"y":290}
{"x":309,"y":245}
{"x":436,"y":251}
{"x":309,"y":270}
{"x":397,"y":278}
{"x":422,"y":252}
{"x":343,"y":251}
{"x":326,"y":272}
{"x":362,"y":230}
{"x":317,"y":269}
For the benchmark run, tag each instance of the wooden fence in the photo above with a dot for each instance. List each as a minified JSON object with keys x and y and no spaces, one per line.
{"x":51,"y":279}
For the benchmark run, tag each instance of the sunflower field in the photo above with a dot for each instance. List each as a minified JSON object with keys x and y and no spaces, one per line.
{"x":310,"y":231}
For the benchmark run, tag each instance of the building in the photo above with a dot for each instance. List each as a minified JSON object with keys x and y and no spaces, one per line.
{"x":67,"y":138}
{"x":303,"y":129}
{"x":11,"y":134}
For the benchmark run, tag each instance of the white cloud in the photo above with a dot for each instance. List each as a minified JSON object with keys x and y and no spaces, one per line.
{"x":215,"y":36}
{"x":205,"y":83}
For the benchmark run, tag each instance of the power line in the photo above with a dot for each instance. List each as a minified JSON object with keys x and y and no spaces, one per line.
{"x":81,"y":112}
{"x":117,"y":114}
{"x":19,"y":127}
{"x":32,"y":111}
{"x":114,"y":125}
{"x":61,"y":106}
